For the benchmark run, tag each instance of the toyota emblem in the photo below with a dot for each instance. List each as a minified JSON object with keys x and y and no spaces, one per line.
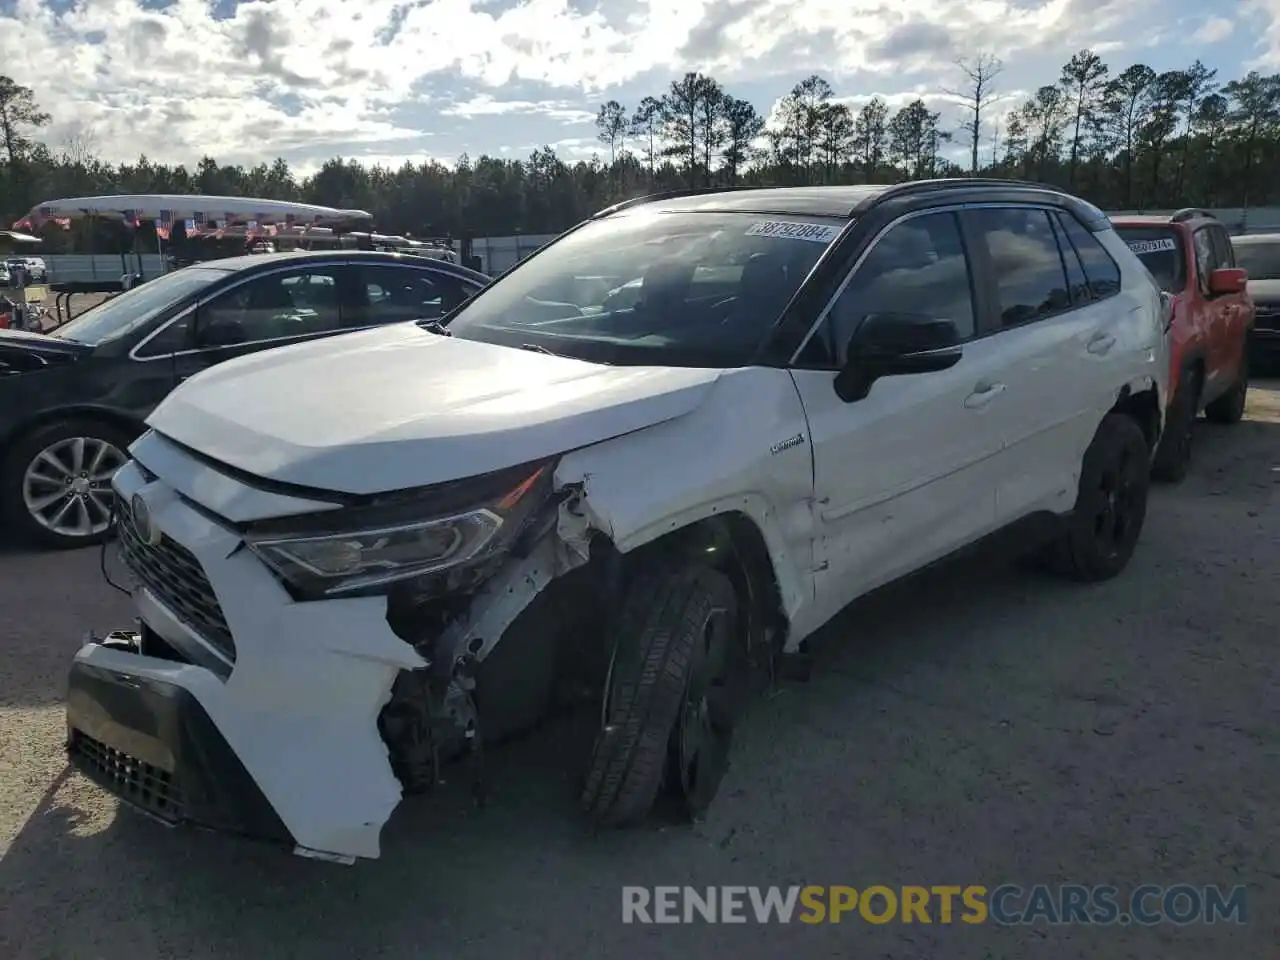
{"x":143,"y":524}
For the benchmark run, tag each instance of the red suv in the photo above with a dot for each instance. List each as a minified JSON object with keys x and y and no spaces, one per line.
{"x":1191,"y":257}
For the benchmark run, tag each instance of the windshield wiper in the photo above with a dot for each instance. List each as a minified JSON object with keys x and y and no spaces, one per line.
{"x":434,"y":326}
{"x":537,"y":349}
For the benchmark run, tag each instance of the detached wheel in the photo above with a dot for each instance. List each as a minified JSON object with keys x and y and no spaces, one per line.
{"x":673,"y":694}
{"x":1111,"y":504}
{"x":1173,"y":455}
{"x":56,"y":483}
{"x":1229,"y":408}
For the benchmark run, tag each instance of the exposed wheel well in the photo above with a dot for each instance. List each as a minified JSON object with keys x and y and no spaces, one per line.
{"x":1144,"y":407}
{"x":731,"y":542}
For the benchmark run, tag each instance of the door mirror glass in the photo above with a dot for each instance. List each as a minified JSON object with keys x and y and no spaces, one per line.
{"x":896,"y":344}
{"x":1227,"y":280}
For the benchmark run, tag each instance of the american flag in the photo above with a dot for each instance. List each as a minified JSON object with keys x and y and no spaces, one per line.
{"x":164,"y":226}
{"x":63,"y":222}
{"x":131,"y":218}
{"x":251,"y":228}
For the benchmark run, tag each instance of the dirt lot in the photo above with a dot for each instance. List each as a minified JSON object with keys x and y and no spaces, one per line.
{"x":980,"y":725}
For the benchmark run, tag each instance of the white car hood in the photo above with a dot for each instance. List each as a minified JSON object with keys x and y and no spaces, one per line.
{"x":399,"y":407}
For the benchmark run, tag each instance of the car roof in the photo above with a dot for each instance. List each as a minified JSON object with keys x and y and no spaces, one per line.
{"x":255,"y":260}
{"x":842,"y":202}
{"x":1143,"y":220}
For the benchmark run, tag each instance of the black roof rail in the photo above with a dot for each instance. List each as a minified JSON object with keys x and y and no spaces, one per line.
{"x":949,"y":183}
{"x":1191,"y":213}
{"x":668,"y":195}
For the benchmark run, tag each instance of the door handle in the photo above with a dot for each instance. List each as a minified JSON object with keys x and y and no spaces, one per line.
{"x":1100,"y":343}
{"x":983,"y":394}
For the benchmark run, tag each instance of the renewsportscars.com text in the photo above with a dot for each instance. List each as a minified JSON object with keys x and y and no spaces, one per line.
{"x":1006,"y":905}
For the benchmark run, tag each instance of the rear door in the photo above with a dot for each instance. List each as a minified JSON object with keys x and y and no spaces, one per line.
{"x":1052,"y":314}
{"x":279,"y":307}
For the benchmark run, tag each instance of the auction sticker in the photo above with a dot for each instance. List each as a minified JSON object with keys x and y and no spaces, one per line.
{"x":789,"y":230}
{"x":1153,"y":246}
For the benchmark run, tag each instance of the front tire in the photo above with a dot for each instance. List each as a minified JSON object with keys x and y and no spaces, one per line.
{"x":1228,"y":409}
{"x":671,"y":698}
{"x":1173,"y":455}
{"x":1111,"y":504}
{"x":56,"y":483}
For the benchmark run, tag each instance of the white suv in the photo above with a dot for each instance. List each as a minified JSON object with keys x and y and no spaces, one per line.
{"x":356,"y":558}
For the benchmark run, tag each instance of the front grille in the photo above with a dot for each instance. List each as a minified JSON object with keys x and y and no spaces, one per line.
{"x":171,"y":572}
{"x":154,"y":790}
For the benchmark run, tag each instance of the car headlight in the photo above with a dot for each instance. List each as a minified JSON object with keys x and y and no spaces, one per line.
{"x":363,"y":557}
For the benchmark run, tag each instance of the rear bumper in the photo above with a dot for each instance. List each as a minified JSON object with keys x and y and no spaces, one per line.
{"x":152,"y":744}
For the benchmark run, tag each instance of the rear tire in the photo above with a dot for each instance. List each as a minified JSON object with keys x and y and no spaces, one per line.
{"x":670,"y":619}
{"x":1228,"y":409}
{"x":1173,"y":455}
{"x":1111,"y":504}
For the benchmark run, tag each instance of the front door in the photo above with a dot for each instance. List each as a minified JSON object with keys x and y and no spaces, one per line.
{"x":273,"y":309}
{"x":907,"y":474}
{"x":1237,"y":309}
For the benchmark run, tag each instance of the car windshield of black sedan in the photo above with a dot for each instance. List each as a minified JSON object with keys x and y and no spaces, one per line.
{"x":133,"y":309}
{"x":686,"y":288}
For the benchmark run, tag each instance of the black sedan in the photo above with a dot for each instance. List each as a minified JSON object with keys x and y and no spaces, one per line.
{"x":72,"y":401}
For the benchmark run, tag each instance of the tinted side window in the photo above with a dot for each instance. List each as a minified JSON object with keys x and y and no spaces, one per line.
{"x":1101,"y":270}
{"x":174,"y":338}
{"x":1205,"y":257}
{"x":274,"y":306}
{"x":1077,"y":281}
{"x":1030,"y":281}
{"x":1224,"y":254}
{"x":389,"y":294}
{"x":918,"y":267}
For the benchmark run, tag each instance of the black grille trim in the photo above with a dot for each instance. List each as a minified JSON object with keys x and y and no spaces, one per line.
{"x":174,"y":575}
{"x":135,"y":781}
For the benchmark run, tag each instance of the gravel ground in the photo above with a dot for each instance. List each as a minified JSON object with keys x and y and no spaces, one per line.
{"x":978,"y":725}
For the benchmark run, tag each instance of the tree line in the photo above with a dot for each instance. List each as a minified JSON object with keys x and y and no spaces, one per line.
{"x":1125,"y":139}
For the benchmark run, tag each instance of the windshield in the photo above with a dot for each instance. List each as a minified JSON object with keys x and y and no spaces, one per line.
{"x":1260,"y":260}
{"x":130,"y":310}
{"x":1160,"y":250}
{"x":694,"y":289}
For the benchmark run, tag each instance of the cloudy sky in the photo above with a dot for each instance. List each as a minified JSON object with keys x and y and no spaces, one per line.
{"x":389,"y":80}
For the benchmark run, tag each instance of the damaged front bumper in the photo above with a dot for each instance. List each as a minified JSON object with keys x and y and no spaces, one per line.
{"x":273,"y":734}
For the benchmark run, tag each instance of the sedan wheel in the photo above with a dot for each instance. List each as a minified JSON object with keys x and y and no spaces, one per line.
{"x":66,"y":488}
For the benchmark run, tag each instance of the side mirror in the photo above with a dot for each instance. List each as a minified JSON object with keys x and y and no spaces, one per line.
{"x":1228,"y":280}
{"x":896,"y":344}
